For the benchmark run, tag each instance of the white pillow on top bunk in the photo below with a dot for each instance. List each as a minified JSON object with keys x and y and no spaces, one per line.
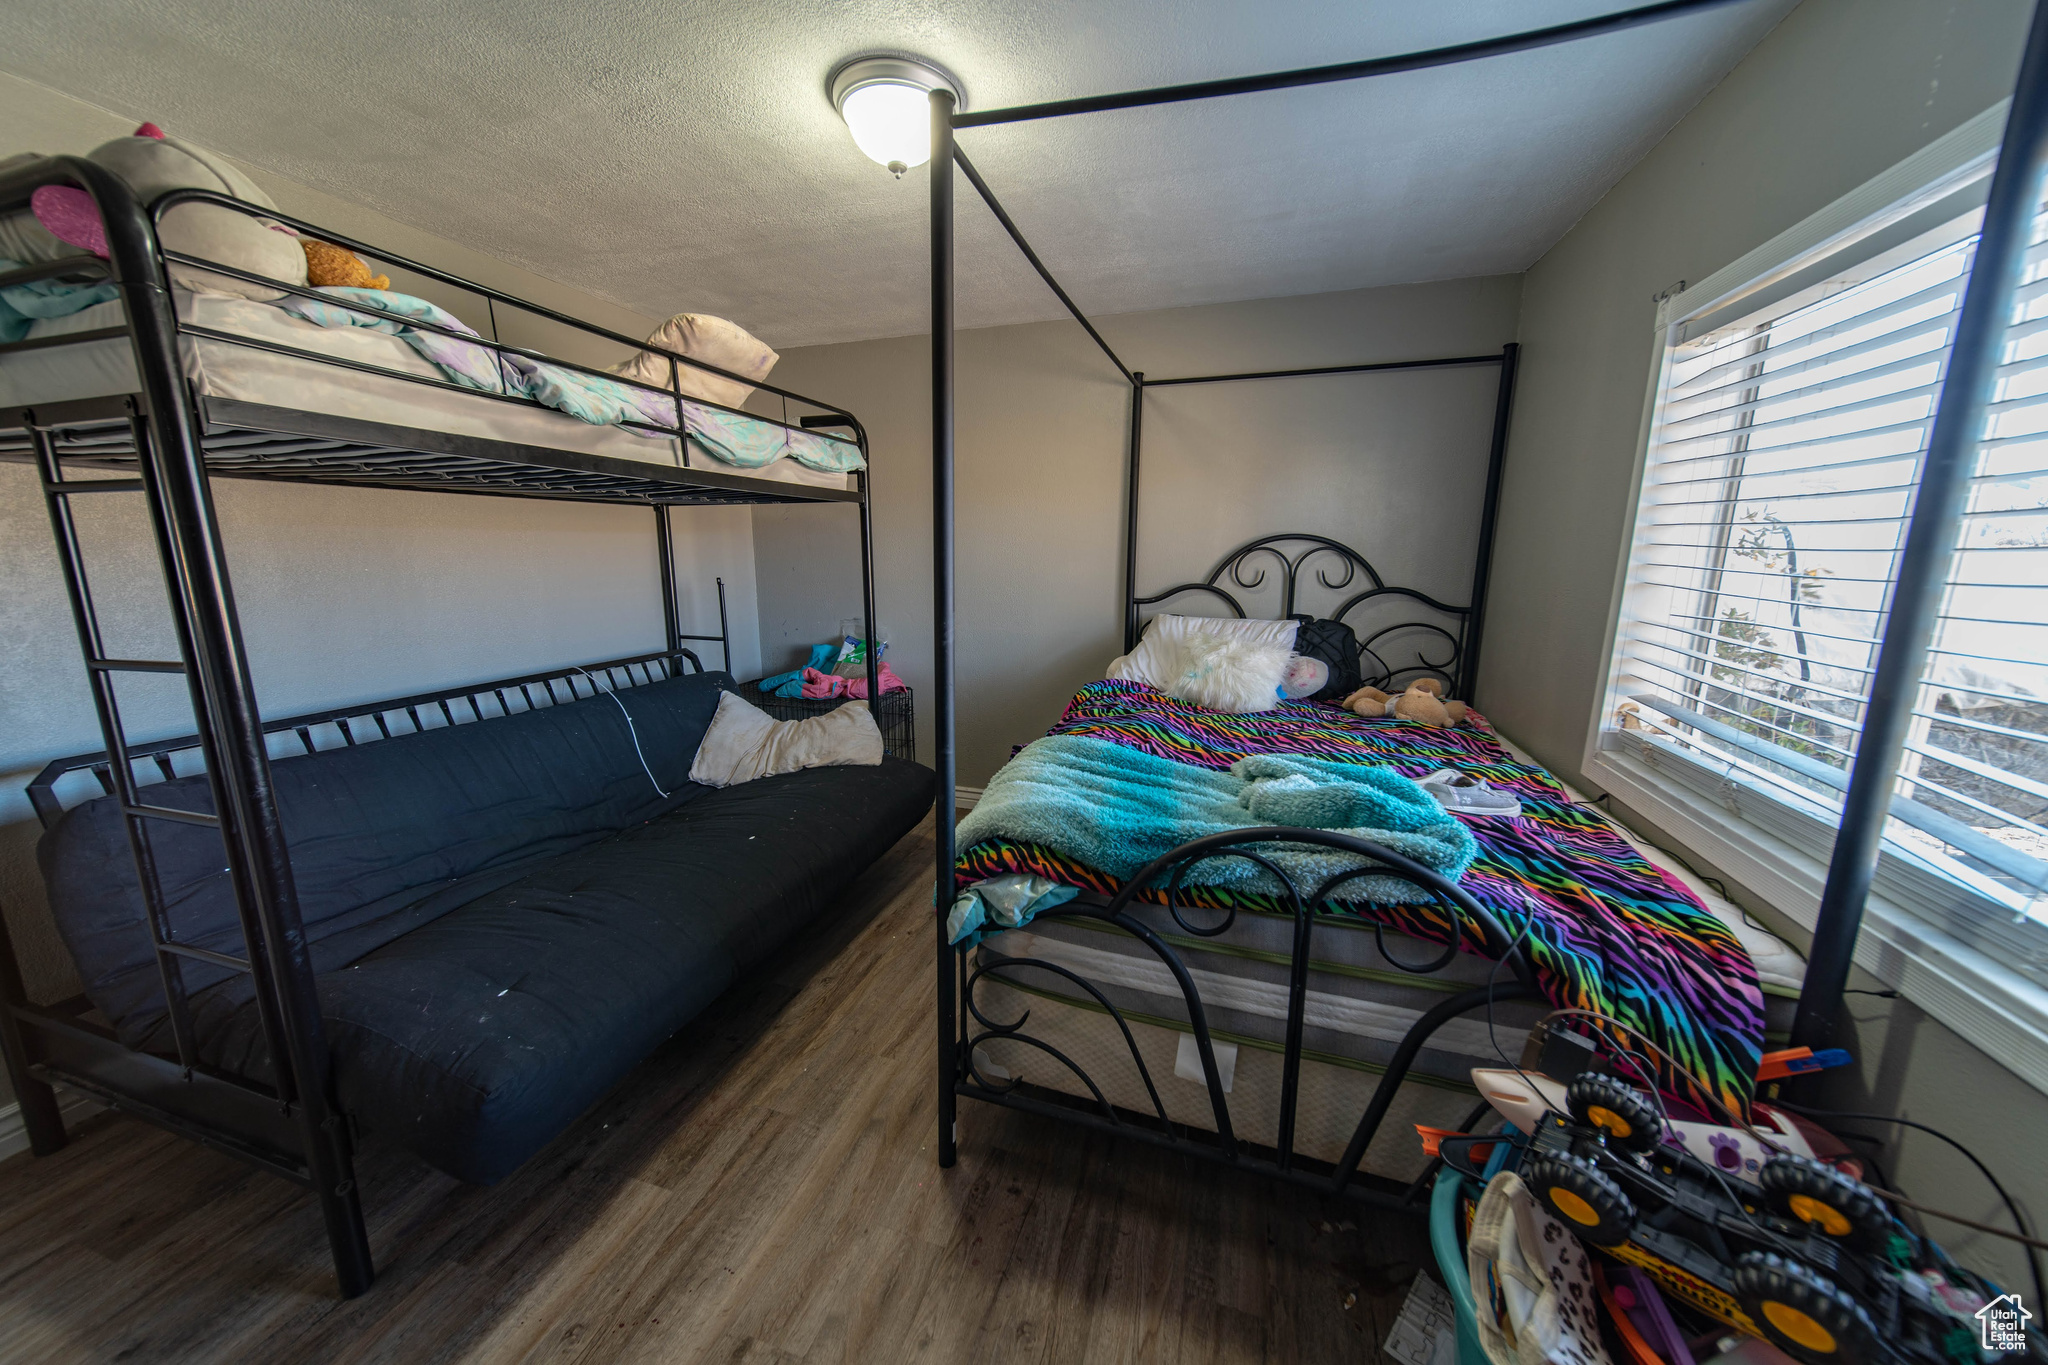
{"x":1221,"y":663}
{"x":712,"y":340}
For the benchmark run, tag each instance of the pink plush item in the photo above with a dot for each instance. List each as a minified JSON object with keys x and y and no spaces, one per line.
{"x":150,"y":130}
{"x":818,"y":684}
{"x":70,"y":216}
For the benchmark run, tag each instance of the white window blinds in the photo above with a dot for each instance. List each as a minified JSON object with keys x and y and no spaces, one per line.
{"x":1785,"y":451}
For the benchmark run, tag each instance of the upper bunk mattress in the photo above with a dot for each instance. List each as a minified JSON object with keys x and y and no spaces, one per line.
{"x":224,"y":369}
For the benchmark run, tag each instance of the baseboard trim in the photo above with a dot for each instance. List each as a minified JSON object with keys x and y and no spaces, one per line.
{"x":14,"y":1133}
{"x":966,"y":798}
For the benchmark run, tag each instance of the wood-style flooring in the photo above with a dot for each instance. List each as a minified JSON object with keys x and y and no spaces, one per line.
{"x":762,"y":1189}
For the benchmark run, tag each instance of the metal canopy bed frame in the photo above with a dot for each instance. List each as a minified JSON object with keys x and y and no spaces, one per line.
{"x":1908,"y":629}
{"x":167,"y":442}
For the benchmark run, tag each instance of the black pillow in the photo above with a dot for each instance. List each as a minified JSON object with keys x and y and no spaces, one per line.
{"x":1333,"y":643}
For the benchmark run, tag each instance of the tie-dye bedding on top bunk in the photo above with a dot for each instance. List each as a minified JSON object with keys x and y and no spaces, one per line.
{"x":730,"y":437}
{"x":1601,"y":926}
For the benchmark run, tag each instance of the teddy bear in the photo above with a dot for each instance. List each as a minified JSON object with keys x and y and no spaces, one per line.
{"x":1422,"y":703}
{"x":329,"y":265}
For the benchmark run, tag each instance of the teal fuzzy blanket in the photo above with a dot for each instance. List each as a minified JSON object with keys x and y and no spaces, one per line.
{"x":1116,"y":809}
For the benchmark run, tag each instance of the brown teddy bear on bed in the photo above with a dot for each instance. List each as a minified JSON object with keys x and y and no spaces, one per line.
{"x":328,"y":265}
{"x":1422,"y":703}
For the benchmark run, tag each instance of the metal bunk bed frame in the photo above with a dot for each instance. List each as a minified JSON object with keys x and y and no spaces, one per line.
{"x":1965,"y":392}
{"x":167,"y":442}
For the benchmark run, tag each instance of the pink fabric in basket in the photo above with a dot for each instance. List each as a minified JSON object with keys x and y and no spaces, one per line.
{"x":817,"y":684}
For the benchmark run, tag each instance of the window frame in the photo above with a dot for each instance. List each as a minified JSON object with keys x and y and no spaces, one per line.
{"x":1926,"y":935}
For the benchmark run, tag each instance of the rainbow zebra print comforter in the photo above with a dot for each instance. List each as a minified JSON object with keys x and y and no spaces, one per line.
{"x":1602,"y":927}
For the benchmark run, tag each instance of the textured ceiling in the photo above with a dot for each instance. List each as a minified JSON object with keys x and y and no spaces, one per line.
{"x":672,"y":154}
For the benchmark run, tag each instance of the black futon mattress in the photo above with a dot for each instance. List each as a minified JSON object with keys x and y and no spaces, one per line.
{"x":505,"y":916}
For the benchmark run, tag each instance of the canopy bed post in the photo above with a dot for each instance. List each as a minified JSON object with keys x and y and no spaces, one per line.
{"x":943,"y":813}
{"x":1931,"y":534}
{"x":1489,"y":512}
{"x":1131,"y":513}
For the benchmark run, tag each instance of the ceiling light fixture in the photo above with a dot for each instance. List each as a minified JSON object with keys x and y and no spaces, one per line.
{"x":886,"y":102}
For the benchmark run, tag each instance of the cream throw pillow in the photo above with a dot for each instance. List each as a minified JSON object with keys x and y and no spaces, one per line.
{"x":745,"y":742}
{"x":712,"y":340}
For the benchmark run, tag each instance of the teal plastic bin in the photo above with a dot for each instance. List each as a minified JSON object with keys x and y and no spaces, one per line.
{"x":1444,"y":1239}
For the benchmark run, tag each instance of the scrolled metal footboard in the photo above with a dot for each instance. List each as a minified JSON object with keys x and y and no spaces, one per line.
{"x":1169,"y":873}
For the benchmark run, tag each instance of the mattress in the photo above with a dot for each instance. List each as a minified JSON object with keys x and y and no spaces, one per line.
{"x":225,"y":369}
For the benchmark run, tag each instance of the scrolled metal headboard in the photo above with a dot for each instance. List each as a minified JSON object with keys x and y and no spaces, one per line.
{"x":1336,"y":567}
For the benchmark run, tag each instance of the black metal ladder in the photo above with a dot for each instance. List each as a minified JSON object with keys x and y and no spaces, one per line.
{"x":173,"y":479}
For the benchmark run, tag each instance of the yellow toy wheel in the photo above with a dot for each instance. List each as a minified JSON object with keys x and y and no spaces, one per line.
{"x":1820,"y":1197}
{"x":1583,"y":1197}
{"x":1614,"y":1108}
{"x":1802,"y":1312}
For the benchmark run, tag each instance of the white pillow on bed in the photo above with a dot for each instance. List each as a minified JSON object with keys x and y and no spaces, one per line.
{"x":1160,"y":655}
{"x":1232,"y":673}
{"x":1221,"y":663}
{"x":745,"y":742}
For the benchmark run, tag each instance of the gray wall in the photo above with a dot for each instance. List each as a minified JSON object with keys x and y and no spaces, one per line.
{"x":1837,"y":93}
{"x":1041,"y":429}
{"x":345,"y":594}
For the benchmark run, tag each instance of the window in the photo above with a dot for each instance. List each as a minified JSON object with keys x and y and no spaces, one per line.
{"x":1784,"y":449}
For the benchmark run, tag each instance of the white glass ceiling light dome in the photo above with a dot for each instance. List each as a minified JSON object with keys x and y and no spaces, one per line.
{"x":886,"y":102}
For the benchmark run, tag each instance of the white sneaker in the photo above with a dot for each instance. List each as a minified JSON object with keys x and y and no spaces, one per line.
{"x":1464,"y":794}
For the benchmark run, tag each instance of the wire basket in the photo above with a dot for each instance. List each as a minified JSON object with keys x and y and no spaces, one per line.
{"x":894,"y":714}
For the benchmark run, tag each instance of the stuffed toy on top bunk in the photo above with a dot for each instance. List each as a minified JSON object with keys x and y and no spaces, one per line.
{"x":331,"y":266}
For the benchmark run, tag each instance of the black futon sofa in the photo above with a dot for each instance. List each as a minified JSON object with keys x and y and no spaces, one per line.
{"x":505,"y":915}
